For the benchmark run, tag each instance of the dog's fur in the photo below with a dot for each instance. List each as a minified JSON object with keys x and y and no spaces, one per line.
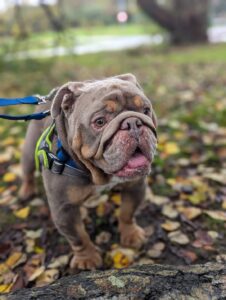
{"x":106,"y":151}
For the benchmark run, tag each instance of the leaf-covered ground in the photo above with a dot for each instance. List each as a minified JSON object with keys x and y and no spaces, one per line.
{"x":185,"y":209}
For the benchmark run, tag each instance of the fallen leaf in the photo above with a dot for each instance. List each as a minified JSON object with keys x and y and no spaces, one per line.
{"x":16,"y":259}
{"x":170,"y":226}
{"x":156,"y":250}
{"x":5,"y":157}
{"x":9,"y":177}
{"x":5,"y":288}
{"x":171,"y":148}
{"x":36,"y":273}
{"x":159,"y":200}
{"x":103,"y":238}
{"x":169,"y":211}
{"x":47,"y":277}
{"x":213,"y":234}
{"x":190,"y":212}
{"x":37,"y":202}
{"x":224,"y":204}
{"x":149,"y":230}
{"x":216,"y":214}
{"x":122,"y":257}
{"x":30,"y":244}
{"x":38,"y":250}
{"x":178,"y":237}
{"x":58,"y":262}
{"x":33,"y":234}
{"x":22,"y":213}
{"x":220,"y":178}
{"x":116,"y":199}
{"x":197,"y":197}
{"x":8,"y":141}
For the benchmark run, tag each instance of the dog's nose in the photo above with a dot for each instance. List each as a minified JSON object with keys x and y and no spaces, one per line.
{"x":131,"y":124}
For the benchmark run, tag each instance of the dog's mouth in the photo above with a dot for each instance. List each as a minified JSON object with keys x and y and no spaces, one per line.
{"x":137,"y":165}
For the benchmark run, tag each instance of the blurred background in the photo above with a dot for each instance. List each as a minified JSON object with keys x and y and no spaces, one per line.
{"x":177,"y":50}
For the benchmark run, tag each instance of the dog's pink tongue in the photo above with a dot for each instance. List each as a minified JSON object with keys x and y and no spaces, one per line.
{"x":137,"y":161}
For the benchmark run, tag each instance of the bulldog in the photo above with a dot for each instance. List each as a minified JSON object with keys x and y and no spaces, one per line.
{"x":108,"y":128}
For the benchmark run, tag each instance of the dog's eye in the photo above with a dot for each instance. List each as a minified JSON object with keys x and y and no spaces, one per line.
{"x":147,"y":110}
{"x":100,"y":122}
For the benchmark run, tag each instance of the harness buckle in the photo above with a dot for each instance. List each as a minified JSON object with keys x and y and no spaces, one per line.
{"x":57,"y":167}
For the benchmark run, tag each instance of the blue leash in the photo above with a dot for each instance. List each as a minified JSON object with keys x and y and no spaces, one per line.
{"x":34,"y":100}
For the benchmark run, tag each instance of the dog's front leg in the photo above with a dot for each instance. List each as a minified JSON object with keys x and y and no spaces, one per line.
{"x":69,"y":223}
{"x":132,"y":235}
{"x":64,"y":199}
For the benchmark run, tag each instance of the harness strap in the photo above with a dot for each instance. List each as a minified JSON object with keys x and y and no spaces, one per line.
{"x":45,"y":158}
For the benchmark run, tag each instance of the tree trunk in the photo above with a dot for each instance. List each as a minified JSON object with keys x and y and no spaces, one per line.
{"x":185,"y":20}
{"x":140,"y":282}
{"x":56,"y":23}
{"x":20,"y":21}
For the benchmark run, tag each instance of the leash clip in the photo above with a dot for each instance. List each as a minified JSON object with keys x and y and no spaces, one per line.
{"x":42,"y":99}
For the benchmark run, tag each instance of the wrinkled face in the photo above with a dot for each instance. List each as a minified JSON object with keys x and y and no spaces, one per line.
{"x":116,"y":127}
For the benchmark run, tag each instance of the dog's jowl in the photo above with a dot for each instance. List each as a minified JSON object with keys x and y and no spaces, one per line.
{"x":100,"y":134}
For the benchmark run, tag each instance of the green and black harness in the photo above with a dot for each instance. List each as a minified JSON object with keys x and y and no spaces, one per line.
{"x":60,"y":163}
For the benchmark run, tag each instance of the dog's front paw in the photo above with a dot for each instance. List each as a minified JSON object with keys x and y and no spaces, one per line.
{"x":132,"y":235}
{"x":86,"y":258}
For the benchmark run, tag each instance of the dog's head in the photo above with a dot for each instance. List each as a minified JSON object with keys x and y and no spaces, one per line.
{"x":110,"y":126}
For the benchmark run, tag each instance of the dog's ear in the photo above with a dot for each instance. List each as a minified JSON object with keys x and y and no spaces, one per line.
{"x":65,"y":98}
{"x":129,"y":77}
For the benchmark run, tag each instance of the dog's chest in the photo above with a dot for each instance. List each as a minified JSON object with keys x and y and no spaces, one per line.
{"x":101,"y":190}
{"x":109,"y":186}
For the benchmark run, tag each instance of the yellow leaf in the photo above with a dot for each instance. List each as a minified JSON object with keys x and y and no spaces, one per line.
{"x":197,"y":197}
{"x":117,"y":212}
{"x":22,"y":213}
{"x":2,"y":188}
{"x":9,"y":177}
{"x":100,"y":210}
{"x":122,"y":257}
{"x":11,"y":261}
{"x":171,"y":148}
{"x":3,"y":268}
{"x":120,"y":260}
{"x":38,"y":250}
{"x":8,"y":141}
{"x":5,"y":288}
{"x":170,"y":226}
{"x":116,"y":199}
{"x":224,"y":204}
{"x":171,"y":181}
